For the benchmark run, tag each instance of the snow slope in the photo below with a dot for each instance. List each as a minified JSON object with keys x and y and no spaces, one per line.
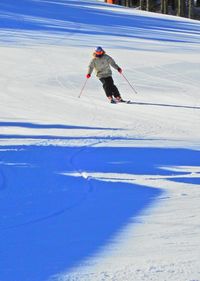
{"x":90,"y":190}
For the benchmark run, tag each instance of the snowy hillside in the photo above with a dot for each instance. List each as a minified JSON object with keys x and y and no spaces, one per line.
{"x":93,"y":191}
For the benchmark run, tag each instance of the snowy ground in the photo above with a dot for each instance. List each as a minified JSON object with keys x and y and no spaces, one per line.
{"x":91,"y":191}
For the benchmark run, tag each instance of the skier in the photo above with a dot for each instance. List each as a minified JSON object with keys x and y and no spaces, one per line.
{"x":101,"y":62}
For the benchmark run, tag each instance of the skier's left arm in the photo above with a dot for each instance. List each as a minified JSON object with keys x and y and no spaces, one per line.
{"x":114,"y":65}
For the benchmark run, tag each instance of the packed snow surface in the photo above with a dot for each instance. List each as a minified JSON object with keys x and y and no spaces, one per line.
{"x":93,"y":191}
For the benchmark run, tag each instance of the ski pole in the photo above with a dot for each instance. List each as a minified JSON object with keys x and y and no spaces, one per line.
{"x":82,"y":88}
{"x":129,"y":83}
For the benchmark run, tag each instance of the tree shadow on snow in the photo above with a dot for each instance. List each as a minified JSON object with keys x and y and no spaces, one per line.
{"x":71,"y":17}
{"x":52,"y":218}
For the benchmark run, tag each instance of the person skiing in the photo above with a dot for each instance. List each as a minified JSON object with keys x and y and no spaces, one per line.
{"x":101,"y":62}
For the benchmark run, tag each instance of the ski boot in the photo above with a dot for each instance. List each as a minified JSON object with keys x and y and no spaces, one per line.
{"x":111,"y":100}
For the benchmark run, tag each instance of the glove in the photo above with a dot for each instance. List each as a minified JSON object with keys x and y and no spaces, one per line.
{"x":119,"y":70}
{"x":88,"y":76}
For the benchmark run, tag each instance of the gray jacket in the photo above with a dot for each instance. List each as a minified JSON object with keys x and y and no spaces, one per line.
{"x":102,"y":66}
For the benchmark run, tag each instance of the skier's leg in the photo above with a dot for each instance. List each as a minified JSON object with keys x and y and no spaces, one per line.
{"x":115,"y":91}
{"x":107,"y":86}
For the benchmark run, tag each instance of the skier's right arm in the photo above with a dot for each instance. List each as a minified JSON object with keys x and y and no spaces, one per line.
{"x":90,"y":69}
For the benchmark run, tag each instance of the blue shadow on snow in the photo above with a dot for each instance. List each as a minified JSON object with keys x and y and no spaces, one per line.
{"x":50,"y":126}
{"x":187,"y":180}
{"x":52,"y":220}
{"x":71,"y":17}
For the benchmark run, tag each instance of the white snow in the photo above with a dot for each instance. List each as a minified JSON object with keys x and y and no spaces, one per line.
{"x":41,"y":76}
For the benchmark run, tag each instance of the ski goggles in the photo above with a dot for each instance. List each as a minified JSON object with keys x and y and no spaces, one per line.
{"x":99,"y":53}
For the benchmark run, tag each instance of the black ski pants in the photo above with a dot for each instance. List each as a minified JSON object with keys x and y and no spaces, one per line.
{"x":109,"y":87}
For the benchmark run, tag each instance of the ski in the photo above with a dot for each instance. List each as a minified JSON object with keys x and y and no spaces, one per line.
{"x":124,"y":101}
{"x":127,"y":101}
{"x":114,"y":101}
